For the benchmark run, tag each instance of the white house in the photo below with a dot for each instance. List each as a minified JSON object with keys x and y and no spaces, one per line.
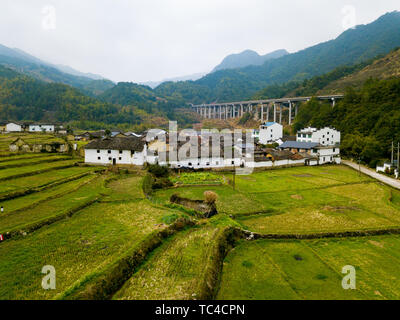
{"x":324,"y":154}
{"x":41,"y":127}
{"x":113,"y":151}
{"x":387,"y":167}
{"x":13,"y":127}
{"x":326,"y":136}
{"x":270,"y":132}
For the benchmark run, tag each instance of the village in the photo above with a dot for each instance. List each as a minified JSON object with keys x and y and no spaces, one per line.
{"x":208,"y":150}
{"x":264,"y":147}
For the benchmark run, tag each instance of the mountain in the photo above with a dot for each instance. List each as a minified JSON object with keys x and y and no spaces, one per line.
{"x":25,"y":63}
{"x":368,"y":118}
{"x":384,"y":68}
{"x":24,"y":98}
{"x":192,"y":77}
{"x":97,"y":87}
{"x":338,"y":80}
{"x":248,"y":58}
{"x":353,"y":46}
{"x":69,"y":70}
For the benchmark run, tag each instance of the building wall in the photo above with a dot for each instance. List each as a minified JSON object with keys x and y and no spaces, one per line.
{"x":326,"y":136}
{"x":13,"y":127}
{"x":271,"y":134}
{"x":105,"y":157}
{"x":329,"y":155}
{"x":278,"y":163}
{"x":40,"y":128}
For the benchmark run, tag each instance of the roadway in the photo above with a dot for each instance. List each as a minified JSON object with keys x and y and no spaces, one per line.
{"x":373,"y":174}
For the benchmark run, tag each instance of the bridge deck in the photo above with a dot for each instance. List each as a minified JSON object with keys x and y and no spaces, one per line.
{"x":280,"y":100}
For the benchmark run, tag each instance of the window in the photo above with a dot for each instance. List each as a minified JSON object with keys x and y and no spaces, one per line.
{"x":98,"y":151}
{"x":208,"y":164}
{"x":299,"y":135}
{"x":98,"y":158}
{"x":109,"y":151}
{"x":120,"y":152}
{"x":310,"y":136}
{"x":189,"y":164}
{"x":120,"y":159}
{"x":217,"y":163}
{"x":334,"y":150}
{"x":304,"y":136}
{"x":233,"y":162}
{"x":110,"y":158}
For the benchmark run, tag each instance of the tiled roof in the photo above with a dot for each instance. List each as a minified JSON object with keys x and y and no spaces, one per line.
{"x":298,"y":145}
{"x":133,"y":144}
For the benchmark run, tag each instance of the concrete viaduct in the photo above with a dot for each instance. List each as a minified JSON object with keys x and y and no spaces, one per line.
{"x":263,"y":110}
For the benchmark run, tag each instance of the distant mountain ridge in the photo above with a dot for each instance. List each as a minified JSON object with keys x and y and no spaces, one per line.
{"x":248,"y":58}
{"x":25,"y":63}
{"x":190,"y":77}
{"x":353,"y":46}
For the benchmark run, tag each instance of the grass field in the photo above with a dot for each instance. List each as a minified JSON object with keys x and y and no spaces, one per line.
{"x":78,"y":246}
{"x":43,"y":179}
{"x":175,"y":270}
{"x":118,"y":218}
{"x":303,"y":200}
{"x":10,"y":173}
{"x":198,"y":178}
{"x":312,"y":269}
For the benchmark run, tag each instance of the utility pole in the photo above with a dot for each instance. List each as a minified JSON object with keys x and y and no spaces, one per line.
{"x":392,"y":152}
{"x":398,"y":157}
{"x":234,"y":179}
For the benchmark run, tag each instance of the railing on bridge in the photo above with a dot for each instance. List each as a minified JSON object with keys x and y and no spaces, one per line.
{"x":261,"y":108}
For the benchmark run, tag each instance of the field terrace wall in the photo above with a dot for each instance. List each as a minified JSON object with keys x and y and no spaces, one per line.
{"x":20,"y":145}
{"x":207,"y":210}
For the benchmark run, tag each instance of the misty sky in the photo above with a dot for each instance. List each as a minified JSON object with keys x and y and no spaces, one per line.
{"x":143,"y":40}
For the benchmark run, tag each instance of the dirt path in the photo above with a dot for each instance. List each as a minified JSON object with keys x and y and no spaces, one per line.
{"x":389,"y":181}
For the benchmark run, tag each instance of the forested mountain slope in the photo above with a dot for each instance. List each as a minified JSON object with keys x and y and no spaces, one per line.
{"x":354,"y":46}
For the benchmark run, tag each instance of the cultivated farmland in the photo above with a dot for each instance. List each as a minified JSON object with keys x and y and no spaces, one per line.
{"x":107,"y":240}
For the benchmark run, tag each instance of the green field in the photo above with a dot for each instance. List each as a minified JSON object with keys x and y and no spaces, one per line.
{"x":174,"y":271}
{"x":312,"y":270}
{"x":84,"y":221}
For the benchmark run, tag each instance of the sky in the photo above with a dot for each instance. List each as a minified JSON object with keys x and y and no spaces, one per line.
{"x":150,"y":40}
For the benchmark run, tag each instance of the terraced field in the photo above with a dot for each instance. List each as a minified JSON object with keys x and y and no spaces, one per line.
{"x":312,"y":270}
{"x":176,"y":270}
{"x":93,"y":226}
{"x":79,"y":246}
{"x":11,"y":173}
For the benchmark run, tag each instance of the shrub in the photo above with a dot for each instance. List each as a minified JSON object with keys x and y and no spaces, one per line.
{"x":148,"y":184}
{"x":162,"y":183}
{"x":158,"y":171}
{"x":210,"y":197}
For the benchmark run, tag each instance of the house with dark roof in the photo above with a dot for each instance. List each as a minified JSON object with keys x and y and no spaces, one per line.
{"x":323,"y":153}
{"x":114,"y":151}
